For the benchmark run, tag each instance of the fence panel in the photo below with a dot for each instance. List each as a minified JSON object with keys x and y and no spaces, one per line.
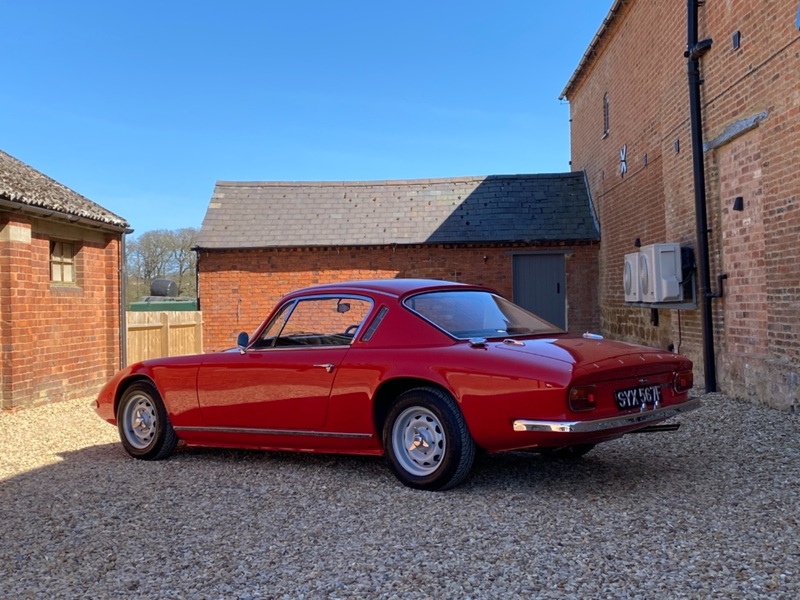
{"x":164,"y":333}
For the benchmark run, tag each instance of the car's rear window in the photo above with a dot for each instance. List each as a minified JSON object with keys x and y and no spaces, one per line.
{"x":470,"y":314}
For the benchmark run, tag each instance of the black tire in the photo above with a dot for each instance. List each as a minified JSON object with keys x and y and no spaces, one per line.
{"x":144,"y":426}
{"x":426,"y":440}
{"x":569,"y":452}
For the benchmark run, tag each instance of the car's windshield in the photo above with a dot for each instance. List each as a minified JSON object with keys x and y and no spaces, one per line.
{"x":469,"y":314}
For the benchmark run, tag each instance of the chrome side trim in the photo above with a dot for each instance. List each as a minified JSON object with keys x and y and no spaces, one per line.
{"x":638,"y":418}
{"x":291,"y":432}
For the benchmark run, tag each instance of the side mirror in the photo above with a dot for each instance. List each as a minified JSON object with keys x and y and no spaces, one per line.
{"x":242,"y":340}
{"x":342,"y":307}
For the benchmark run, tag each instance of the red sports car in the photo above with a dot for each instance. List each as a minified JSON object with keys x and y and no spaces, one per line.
{"x":425,"y":372}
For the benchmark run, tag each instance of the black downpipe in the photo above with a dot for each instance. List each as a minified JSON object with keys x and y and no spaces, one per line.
{"x":694,"y":50}
{"x":123,"y":301}
{"x":197,"y":276}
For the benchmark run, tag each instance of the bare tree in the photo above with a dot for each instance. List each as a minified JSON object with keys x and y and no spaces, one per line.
{"x":184,"y":260}
{"x":161,"y":254}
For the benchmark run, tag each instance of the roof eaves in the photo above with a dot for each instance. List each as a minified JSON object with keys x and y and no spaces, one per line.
{"x":582,"y":237}
{"x":73,"y":218}
{"x":26,"y":189}
{"x":590,"y":51}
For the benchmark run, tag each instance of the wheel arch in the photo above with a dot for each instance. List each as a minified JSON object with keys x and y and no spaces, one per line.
{"x":390,"y":390}
{"x":127,"y":383}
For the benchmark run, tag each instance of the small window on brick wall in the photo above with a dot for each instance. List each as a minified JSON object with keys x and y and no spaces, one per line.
{"x":605,"y":114}
{"x":62,"y":262}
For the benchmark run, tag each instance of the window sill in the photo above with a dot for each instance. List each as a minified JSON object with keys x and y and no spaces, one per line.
{"x":65,"y":289}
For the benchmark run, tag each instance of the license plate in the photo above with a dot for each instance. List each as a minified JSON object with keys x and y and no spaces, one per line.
{"x":638,"y":397}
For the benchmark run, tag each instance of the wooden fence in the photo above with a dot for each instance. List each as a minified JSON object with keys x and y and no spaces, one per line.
{"x":164,"y":333}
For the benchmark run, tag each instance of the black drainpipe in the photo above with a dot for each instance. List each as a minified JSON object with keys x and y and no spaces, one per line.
{"x":694,"y":50}
{"x":123,"y":300}
{"x":196,"y":250}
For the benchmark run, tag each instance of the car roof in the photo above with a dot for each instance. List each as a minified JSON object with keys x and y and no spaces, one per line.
{"x":393,"y":287}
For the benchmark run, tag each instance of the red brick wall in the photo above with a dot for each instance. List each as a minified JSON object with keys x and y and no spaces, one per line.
{"x":633,"y":70}
{"x":58,"y":342}
{"x":239,"y":288}
{"x":639,"y":62}
{"x":745,"y":306}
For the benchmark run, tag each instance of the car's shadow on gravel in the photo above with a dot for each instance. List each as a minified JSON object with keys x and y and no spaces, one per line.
{"x":606,"y":466}
{"x":241,"y":479}
{"x":665,"y":463}
{"x":533,"y":472}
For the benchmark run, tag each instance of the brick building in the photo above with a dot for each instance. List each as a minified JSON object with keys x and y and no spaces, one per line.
{"x":60,"y":259}
{"x":531,"y":237}
{"x":629,"y":99}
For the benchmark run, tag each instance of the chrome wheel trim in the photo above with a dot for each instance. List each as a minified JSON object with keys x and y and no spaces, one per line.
{"x":418,"y":441}
{"x":140,"y":421}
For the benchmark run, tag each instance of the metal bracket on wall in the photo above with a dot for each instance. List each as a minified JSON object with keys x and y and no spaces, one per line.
{"x":721,"y":291}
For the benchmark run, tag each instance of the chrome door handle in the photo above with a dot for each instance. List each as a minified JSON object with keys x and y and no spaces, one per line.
{"x":327,"y":366}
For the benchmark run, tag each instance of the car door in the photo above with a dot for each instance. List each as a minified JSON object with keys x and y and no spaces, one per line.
{"x":284,"y":379}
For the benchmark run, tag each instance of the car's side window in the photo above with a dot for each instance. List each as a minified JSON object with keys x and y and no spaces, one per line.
{"x":319,"y":322}
{"x":269,"y":335}
{"x":374,"y":325}
{"x":467,"y":314}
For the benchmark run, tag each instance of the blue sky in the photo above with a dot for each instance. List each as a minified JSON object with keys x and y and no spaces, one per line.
{"x":143,"y":105}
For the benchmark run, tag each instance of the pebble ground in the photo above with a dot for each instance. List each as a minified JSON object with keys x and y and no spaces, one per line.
{"x":710,"y":511}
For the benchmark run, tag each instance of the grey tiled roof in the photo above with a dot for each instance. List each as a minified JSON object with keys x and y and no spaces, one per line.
{"x":24,"y":185}
{"x":494,"y":209}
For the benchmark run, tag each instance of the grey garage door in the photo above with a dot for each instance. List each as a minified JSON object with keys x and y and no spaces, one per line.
{"x":540,"y":286}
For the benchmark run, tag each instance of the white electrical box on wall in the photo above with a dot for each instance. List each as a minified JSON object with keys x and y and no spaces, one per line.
{"x":630,"y":278}
{"x":660,"y":273}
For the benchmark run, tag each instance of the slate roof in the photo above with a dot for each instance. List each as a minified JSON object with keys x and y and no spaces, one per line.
{"x":23,"y":185}
{"x":493,"y":209}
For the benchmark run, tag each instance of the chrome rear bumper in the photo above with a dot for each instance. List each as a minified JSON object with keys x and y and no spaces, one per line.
{"x":639,"y":418}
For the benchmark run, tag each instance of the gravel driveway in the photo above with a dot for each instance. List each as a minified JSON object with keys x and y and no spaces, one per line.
{"x":709,"y":511}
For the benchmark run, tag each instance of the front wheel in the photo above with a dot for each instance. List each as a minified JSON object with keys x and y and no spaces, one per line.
{"x":427,"y":442}
{"x":143,"y":423}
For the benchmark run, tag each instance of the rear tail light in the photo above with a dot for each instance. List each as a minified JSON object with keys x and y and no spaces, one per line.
{"x":684,"y":381}
{"x":582,"y":398}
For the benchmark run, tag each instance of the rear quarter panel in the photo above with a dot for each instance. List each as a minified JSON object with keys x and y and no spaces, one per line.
{"x":492,"y":389}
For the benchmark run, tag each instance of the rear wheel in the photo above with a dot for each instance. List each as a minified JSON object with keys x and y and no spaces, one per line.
{"x":427,"y":442}
{"x":144,"y":427}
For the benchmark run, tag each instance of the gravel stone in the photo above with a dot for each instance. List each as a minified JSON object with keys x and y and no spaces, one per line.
{"x":710,"y":511}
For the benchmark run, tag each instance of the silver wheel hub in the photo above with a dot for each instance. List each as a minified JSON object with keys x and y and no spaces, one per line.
{"x":142,"y":421}
{"x":418,"y":441}
{"x":139,"y":421}
{"x":422,"y":440}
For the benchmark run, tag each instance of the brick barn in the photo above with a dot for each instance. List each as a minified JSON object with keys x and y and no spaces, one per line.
{"x":531,"y":237}
{"x":630,"y":133}
{"x":60,"y":312}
